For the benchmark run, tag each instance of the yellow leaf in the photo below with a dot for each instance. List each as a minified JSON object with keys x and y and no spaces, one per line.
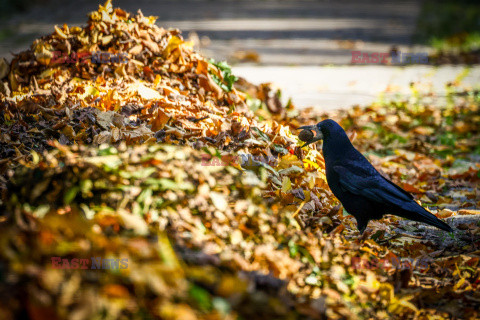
{"x":47,"y":73}
{"x":459,"y":284}
{"x":307,"y":163}
{"x":42,"y":53}
{"x":174,"y":43}
{"x":60,"y":33}
{"x":289,"y":160}
{"x":89,"y":91}
{"x":286,"y":184}
{"x":157,"y":80}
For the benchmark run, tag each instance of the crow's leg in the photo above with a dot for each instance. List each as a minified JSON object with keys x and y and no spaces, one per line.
{"x":361,"y":224}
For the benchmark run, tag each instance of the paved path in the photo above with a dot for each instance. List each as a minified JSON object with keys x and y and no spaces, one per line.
{"x":343,"y":86}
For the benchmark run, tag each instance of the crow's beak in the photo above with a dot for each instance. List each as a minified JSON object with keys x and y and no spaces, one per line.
{"x":316,"y":134}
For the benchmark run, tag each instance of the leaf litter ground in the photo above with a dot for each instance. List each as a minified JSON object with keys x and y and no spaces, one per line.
{"x":196,"y":178}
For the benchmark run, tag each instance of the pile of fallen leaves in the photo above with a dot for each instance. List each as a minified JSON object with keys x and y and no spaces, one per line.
{"x":139,"y":161}
{"x":164,"y":91}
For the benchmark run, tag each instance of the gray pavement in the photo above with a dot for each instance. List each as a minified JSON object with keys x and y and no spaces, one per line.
{"x":303,"y":46}
{"x":335,"y":87}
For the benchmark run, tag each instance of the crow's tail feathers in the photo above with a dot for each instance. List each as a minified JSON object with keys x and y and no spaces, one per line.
{"x":418,"y":213}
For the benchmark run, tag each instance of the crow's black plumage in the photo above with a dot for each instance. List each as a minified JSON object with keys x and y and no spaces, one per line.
{"x":361,"y":189}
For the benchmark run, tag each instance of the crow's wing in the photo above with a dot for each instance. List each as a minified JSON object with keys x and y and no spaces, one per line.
{"x":367,"y":182}
{"x":362,"y":179}
{"x":398,"y":188}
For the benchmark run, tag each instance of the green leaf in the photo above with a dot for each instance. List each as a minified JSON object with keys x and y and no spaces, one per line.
{"x":201,"y":297}
{"x":86,"y":186}
{"x":228,"y":78}
{"x":144,"y":196}
{"x":279,"y":149}
{"x":138,"y":174}
{"x":167,"y":184}
{"x":261,"y":134}
{"x":292,"y":248}
{"x":70,"y":195}
{"x":306,"y":255}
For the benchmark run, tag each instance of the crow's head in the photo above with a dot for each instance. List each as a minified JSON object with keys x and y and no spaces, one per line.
{"x":322,"y":130}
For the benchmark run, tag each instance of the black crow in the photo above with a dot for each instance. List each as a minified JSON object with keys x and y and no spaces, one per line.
{"x":361,"y":189}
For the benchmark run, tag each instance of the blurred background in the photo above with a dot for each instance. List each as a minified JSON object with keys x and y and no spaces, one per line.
{"x":304,"y":47}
